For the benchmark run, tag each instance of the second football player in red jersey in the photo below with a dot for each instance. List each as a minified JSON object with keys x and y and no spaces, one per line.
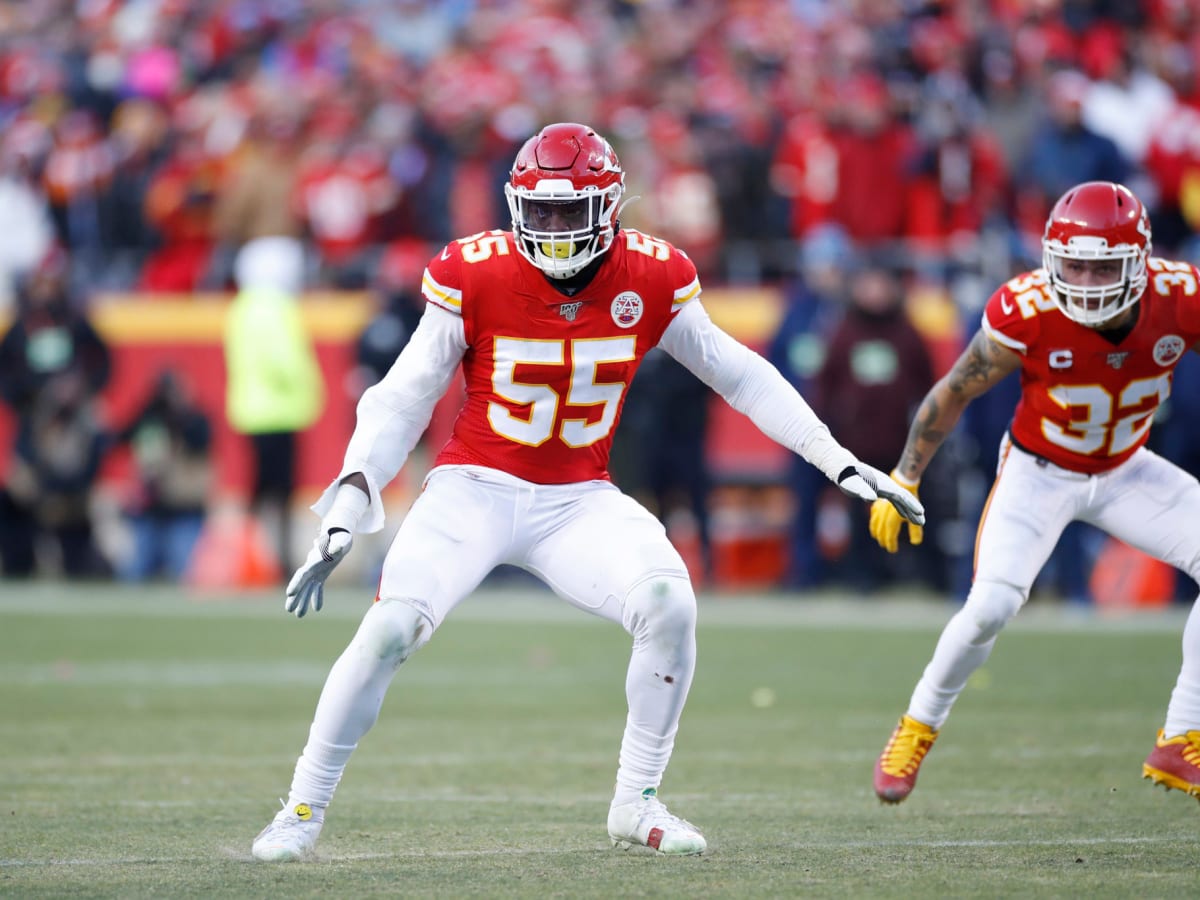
{"x":1096,"y":333}
{"x":549,"y":322}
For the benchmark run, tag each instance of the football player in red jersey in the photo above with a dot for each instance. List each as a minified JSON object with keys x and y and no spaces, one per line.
{"x":1096,"y":333}
{"x":549,"y":322}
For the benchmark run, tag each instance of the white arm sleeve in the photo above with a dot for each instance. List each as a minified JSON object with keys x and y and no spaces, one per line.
{"x":393,"y":414}
{"x":753,"y":387}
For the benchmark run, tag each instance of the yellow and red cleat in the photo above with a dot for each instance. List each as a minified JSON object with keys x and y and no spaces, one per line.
{"x":1175,"y":763}
{"x":897,"y":767}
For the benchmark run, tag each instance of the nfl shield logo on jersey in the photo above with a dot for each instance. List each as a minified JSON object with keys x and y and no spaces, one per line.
{"x":1116,"y":360}
{"x":626,"y":309}
{"x":569,"y":310}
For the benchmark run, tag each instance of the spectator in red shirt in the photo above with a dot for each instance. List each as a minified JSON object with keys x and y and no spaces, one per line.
{"x":343,"y":192}
{"x":179,"y":204}
{"x":959,"y":181}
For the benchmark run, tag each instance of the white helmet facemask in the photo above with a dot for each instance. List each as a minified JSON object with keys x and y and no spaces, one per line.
{"x":560,"y":228}
{"x":1094,"y":305}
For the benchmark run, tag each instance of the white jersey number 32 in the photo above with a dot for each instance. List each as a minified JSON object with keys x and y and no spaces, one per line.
{"x":1097,"y":431}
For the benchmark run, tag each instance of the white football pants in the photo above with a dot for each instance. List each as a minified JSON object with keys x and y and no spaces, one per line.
{"x":594,"y":546}
{"x":1147,"y":502}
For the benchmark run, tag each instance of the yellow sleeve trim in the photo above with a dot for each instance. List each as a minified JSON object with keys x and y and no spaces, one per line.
{"x":443,"y":296}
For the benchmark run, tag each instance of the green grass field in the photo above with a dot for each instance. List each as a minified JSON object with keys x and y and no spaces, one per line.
{"x":145,"y":737}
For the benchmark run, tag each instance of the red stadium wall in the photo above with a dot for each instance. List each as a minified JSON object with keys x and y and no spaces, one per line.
{"x":149,"y":333}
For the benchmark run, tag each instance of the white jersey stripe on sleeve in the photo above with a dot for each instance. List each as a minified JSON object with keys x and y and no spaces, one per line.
{"x":447,"y":298}
{"x":1003,"y":339}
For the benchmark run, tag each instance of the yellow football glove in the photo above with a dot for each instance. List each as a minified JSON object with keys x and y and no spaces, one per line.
{"x":885,"y":521}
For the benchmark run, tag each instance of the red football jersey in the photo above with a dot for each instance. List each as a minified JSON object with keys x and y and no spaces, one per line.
{"x":546,"y":374}
{"x":1087,"y":403}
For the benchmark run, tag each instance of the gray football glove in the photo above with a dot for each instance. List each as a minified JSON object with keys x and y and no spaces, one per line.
{"x":306,"y":590}
{"x":866,"y":483}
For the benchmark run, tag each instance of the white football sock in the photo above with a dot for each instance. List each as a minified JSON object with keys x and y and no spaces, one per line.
{"x":1183,"y":710}
{"x":656,"y":687}
{"x":317,"y":774}
{"x":959,"y":652}
{"x":349,"y":706}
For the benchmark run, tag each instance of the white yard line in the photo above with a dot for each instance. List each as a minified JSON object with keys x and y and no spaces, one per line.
{"x":902,"y":611}
{"x":416,"y":855}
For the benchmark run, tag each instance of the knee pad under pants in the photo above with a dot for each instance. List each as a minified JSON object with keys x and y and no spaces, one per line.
{"x":663,"y":605}
{"x":392,"y":630}
{"x":990,"y":605}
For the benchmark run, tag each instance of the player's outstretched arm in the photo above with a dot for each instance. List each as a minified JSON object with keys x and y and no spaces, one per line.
{"x":391,"y":416}
{"x":754,"y":387}
{"x":981,"y":366}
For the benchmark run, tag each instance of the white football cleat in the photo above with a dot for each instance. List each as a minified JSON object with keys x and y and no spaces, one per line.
{"x":291,"y":835}
{"x":646,"y":822}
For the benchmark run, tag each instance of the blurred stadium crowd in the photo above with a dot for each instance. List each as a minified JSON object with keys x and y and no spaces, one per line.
{"x":790,"y":143}
{"x":149,"y":136}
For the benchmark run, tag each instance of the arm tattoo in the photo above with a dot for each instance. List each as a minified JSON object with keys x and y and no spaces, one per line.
{"x":924,"y":438}
{"x":924,"y":426}
{"x":976,"y":366}
{"x":981,"y":365}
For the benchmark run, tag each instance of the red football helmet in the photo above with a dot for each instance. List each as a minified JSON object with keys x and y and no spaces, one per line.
{"x":563,"y":192}
{"x":1097,"y":220}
